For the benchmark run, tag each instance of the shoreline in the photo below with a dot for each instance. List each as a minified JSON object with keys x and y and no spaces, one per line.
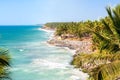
{"x":73,"y":51}
{"x":76,"y":46}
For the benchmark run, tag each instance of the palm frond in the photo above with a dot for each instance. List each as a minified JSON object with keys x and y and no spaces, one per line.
{"x":109,"y":71}
{"x":108,"y":28}
{"x":109,"y":11}
{"x":115,"y":20}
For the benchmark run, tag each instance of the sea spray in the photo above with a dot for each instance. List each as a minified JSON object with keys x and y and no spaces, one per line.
{"x":34,"y":59}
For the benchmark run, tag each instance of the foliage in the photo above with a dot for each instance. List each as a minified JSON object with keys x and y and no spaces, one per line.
{"x":73,"y":28}
{"x":104,"y":64}
{"x":98,"y":65}
{"x":110,"y":71}
{"x":4,"y":64}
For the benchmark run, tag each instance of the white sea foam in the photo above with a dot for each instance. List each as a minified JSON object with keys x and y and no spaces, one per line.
{"x":48,"y":64}
{"x":40,"y":65}
{"x":45,"y":30}
{"x":21,"y":50}
{"x":70,"y":50}
{"x":38,"y":60}
{"x":50,"y":32}
{"x":21,"y":68}
{"x":78,"y":75}
{"x":28,"y":45}
{"x":14,"y":69}
{"x":74,"y":77}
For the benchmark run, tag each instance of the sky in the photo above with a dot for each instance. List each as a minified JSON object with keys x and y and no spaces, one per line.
{"x":30,"y":12}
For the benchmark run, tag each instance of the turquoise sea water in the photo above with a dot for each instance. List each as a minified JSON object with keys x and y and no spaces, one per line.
{"x":33,"y":58}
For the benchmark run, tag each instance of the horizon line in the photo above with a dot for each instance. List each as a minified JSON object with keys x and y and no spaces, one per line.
{"x":20,"y":24}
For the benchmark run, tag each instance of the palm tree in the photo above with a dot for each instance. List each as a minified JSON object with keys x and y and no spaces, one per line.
{"x":4,"y":64}
{"x":108,"y":38}
{"x":104,"y":64}
{"x":110,"y":44}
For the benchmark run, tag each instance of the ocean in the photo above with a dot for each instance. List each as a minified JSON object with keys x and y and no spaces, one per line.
{"x":33,"y":58}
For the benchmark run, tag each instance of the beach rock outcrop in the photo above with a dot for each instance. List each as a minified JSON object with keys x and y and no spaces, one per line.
{"x":80,"y":46}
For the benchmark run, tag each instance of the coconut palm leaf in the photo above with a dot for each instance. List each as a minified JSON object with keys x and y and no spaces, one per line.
{"x":105,"y":63}
{"x":108,"y":28}
{"x":4,"y":58}
{"x":90,"y":61}
{"x":115,"y":17}
{"x":110,"y":71}
{"x":4,"y":64}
